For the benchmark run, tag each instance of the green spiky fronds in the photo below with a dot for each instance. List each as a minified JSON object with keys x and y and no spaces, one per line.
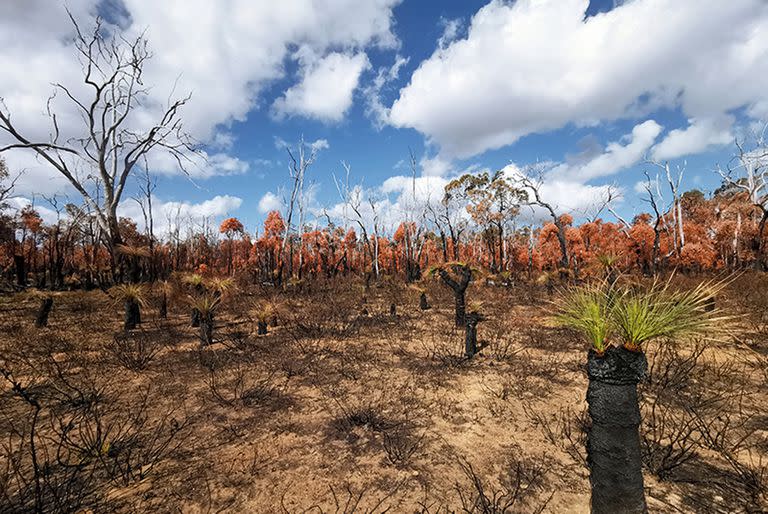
{"x":264,"y":310}
{"x":221,"y":285}
{"x":205,"y":304}
{"x":635,"y":316}
{"x":193,"y":279}
{"x":129,"y":293}
{"x":641,"y":316}
{"x":588,"y":310}
{"x":607,"y":260}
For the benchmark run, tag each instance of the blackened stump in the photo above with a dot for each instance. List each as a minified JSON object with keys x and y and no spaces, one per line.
{"x":42,"y":313}
{"x":392,"y":310}
{"x":261,"y":328}
{"x":195,"y":321}
{"x":423,"y":303}
{"x":613,"y":442}
{"x":470,"y":340}
{"x":164,"y":306}
{"x":206,"y":329}
{"x":132,"y":315}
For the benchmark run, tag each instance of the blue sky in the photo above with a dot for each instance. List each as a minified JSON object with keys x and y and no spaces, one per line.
{"x":483,"y":85}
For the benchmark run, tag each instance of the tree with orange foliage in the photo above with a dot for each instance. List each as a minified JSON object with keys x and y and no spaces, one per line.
{"x":230,"y":227}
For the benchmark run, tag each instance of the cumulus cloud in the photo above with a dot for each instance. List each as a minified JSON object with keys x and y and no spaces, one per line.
{"x":184,"y":216}
{"x":537,"y":65}
{"x":701,"y":134}
{"x":224,"y":55}
{"x":618,"y":155}
{"x":270,"y":202}
{"x":326,"y":88}
{"x":385,"y":76}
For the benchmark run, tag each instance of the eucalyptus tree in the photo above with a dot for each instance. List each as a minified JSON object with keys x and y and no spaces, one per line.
{"x":493,"y":202}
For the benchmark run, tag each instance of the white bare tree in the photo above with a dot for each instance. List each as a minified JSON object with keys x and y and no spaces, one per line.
{"x":110,"y":144}
{"x":747,"y":172}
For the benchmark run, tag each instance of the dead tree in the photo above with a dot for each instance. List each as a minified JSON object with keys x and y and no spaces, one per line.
{"x":533,"y":188}
{"x":108,"y":146}
{"x":748,"y":172}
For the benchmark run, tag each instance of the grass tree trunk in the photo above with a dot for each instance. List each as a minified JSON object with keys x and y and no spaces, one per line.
{"x":261,"y":328}
{"x":613,"y":445}
{"x":132,"y":315}
{"x":423,"y":303}
{"x":392,"y":310}
{"x":470,"y":340}
{"x":195,"y":318}
{"x":206,"y":328}
{"x":46,"y":304}
{"x":164,"y":306}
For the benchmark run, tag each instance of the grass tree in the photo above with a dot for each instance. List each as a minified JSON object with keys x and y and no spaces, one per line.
{"x":195,"y":282}
{"x":165,"y":289}
{"x":205,"y":304}
{"x":630,"y":317}
{"x":264,"y":312}
{"x":132,"y":296}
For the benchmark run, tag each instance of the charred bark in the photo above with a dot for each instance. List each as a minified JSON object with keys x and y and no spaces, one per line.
{"x":459,"y":288}
{"x":392,"y":310}
{"x":132,"y":315}
{"x":206,"y":329}
{"x":261,"y":328}
{"x":470,"y":339}
{"x":613,"y":442}
{"x":164,"y":306}
{"x":423,"y":303}
{"x":195,"y":318}
{"x":42,"y":313}
{"x":21,"y":270}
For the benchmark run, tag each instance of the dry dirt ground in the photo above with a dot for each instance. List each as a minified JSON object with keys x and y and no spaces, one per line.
{"x":343,"y":408}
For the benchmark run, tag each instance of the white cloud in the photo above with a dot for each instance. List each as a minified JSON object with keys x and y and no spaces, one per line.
{"x":701,"y":134}
{"x":537,"y":65}
{"x":326,"y":88}
{"x":169,"y":215}
{"x":224,"y":54}
{"x":451,"y":29}
{"x":375,"y":108}
{"x":616,"y":156}
{"x":269,"y":202}
{"x":436,"y":166}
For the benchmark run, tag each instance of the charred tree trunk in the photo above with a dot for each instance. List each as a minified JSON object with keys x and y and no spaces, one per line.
{"x":206,"y":328}
{"x":261,"y":328}
{"x":21,"y":270}
{"x":613,"y":442}
{"x":423,"y":303}
{"x":392,"y":310}
{"x":164,"y":306}
{"x":195,"y":318}
{"x":459,"y":299}
{"x":132,"y":315}
{"x":470,"y":339}
{"x":42,"y":313}
{"x":459,"y":288}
